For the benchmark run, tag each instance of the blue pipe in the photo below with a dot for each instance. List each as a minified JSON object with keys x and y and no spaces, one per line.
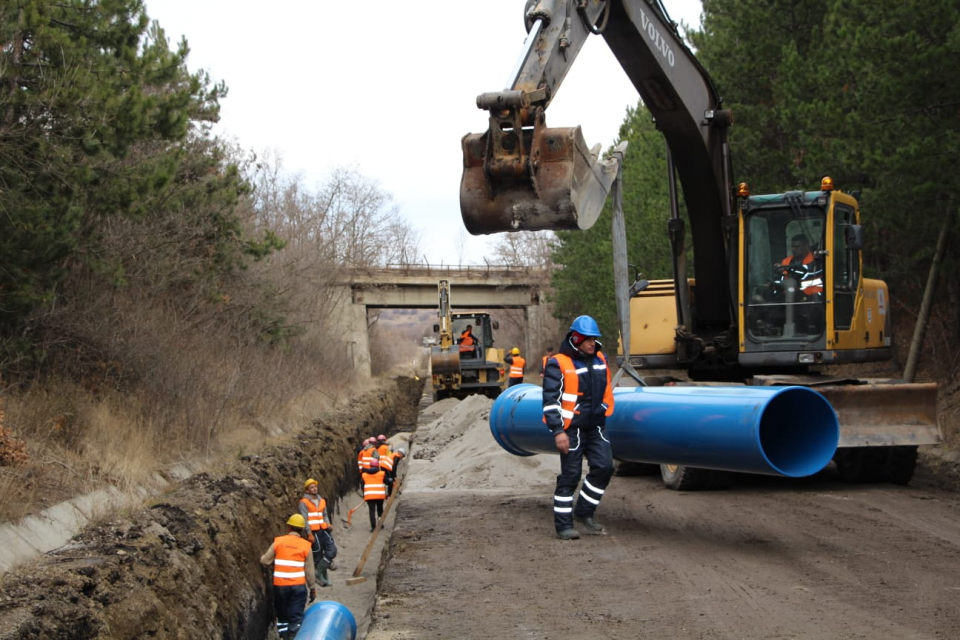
{"x":781,"y":431}
{"x":328,"y":620}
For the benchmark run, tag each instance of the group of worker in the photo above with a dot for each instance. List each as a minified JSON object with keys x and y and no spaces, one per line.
{"x":378,"y":465}
{"x":300,"y":559}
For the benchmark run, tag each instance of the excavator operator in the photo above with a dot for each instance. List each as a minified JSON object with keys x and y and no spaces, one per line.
{"x":467,"y":341}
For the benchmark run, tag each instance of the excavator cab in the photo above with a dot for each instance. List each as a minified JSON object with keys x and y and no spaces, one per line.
{"x":784,"y":273}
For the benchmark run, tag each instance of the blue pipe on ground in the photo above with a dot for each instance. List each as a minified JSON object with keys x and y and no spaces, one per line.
{"x":781,"y":431}
{"x":328,"y":620}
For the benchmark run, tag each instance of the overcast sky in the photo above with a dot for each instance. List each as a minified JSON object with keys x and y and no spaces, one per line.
{"x":387,"y":87}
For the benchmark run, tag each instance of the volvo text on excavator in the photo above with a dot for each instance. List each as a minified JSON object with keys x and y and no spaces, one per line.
{"x":753,"y":311}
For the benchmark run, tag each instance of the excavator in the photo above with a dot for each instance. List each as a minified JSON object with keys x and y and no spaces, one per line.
{"x":458,"y":367}
{"x":752,"y":311}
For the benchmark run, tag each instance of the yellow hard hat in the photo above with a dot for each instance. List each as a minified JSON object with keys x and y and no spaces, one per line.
{"x":296,"y":521}
{"x":309,"y":482}
{"x":515,"y":351}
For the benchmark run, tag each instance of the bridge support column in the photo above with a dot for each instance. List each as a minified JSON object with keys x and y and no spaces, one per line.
{"x":534,"y":335}
{"x":351,"y":318}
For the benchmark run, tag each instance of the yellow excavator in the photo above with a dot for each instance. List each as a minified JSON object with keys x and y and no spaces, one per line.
{"x":459,"y":366}
{"x":754,"y":311}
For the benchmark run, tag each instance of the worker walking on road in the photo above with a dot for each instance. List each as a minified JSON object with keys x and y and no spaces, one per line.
{"x":314,"y":510}
{"x":374,"y":493}
{"x":543,"y":361}
{"x":517,"y":365}
{"x":577,"y":398}
{"x":293,"y":576}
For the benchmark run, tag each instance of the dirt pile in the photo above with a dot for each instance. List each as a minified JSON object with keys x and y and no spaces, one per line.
{"x":454,"y":452}
{"x":188,"y":566}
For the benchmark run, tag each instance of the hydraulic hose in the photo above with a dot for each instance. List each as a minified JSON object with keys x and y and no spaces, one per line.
{"x":780,"y":431}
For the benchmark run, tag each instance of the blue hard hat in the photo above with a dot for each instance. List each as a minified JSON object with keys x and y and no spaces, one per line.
{"x":586,"y":326}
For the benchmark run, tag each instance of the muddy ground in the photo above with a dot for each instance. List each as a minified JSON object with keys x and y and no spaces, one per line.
{"x":473,"y":555}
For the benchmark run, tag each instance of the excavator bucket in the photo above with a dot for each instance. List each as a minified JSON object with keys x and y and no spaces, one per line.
{"x":881,"y":414}
{"x":559,"y":184}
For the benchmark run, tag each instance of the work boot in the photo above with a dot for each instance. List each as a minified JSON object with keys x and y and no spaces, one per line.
{"x":322,"y":578}
{"x":568,"y":534}
{"x":593,"y":527}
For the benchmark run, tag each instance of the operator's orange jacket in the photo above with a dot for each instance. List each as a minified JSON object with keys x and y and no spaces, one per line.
{"x":315,"y":514}
{"x":288,"y":567}
{"x":809,"y":287}
{"x":570,"y":395}
{"x":516,"y":367}
{"x":374,"y":487}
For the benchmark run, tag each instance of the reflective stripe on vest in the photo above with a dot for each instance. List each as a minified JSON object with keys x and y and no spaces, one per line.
{"x":516,"y":367}
{"x":315,"y":513}
{"x":809,"y":287}
{"x":374,"y":487}
{"x":288,"y":566}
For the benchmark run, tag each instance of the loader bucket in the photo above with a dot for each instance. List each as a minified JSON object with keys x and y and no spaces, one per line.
{"x":561,"y":185}
{"x":885,"y":414}
{"x":444,"y":361}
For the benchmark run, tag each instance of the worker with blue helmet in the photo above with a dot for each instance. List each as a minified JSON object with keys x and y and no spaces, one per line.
{"x":577,"y":398}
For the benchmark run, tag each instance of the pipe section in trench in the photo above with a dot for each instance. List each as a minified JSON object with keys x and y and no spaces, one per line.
{"x":779,"y":431}
{"x":328,"y":620}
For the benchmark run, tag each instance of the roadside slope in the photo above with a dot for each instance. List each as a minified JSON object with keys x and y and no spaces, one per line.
{"x":188,"y":565}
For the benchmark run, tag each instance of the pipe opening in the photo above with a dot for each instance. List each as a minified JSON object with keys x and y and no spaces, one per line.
{"x":798,"y":410}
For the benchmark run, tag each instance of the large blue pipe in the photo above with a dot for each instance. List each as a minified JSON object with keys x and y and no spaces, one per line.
{"x":781,"y":431}
{"x":328,"y":620}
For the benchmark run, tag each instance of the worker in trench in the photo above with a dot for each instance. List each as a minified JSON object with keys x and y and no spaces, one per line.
{"x":313,"y":508}
{"x":293,"y":576}
{"x":374,"y":490}
{"x":577,"y":398}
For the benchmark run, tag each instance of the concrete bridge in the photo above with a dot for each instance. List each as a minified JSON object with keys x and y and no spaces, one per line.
{"x":415,"y":287}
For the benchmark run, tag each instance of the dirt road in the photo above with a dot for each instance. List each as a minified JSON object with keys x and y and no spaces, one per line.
{"x":474,"y":555}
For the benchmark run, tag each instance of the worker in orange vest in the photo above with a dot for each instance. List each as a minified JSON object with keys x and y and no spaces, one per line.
{"x":293,"y":576}
{"x":517,"y":365}
{"x":391,"y":474}
{"x":467,"y":341}
{"x":543,"y":362}
{"x":577,"y":399}
{"x":314,"y":509}
{"x":374,"y":492}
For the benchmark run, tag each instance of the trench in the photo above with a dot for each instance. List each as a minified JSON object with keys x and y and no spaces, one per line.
{"x":186,"y":565}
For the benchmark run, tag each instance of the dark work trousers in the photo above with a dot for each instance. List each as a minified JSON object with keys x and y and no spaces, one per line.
{"x":289,"y":603}
{"x":376,"y":510}
{"x":593,"y":444}
{"x":514,"y":381}
{"x":324,"y":547}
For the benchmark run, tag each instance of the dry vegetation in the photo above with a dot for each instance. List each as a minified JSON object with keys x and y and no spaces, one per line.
{"x":155,"y":368}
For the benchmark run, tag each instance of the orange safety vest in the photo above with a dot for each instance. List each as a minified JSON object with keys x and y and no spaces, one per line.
{"x":374,"y":487}
{"x":516,"y":367}
{"x":315,"y":514}
{"x":365,"y":458}
{"x":288,"y":566}
{"x":570,"y":396}
{"x":809,"y":287}
{"x":386,"y":460}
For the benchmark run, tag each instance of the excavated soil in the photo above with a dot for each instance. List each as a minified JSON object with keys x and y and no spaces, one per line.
{"x":188,"y":565}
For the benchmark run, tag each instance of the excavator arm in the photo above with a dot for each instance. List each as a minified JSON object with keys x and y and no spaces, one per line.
{"x":521,"y":175}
